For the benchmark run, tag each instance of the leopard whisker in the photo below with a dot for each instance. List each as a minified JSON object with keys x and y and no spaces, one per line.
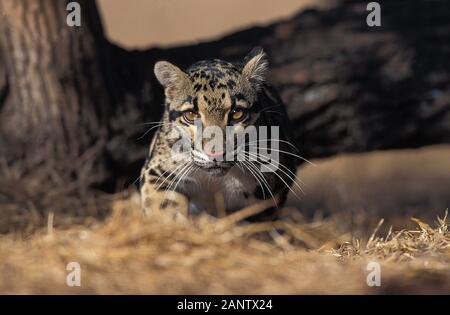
{"x":285,"y":167}
{"x":278,"y":140}
{"x":167,"y":171}
{"x":150,"y":123}
{"x":165,"y":179}
{"x":266,"y":184}
{"x":289,"y":175}
{"x":255,"y":177}
{"x":281,"y":178}
{"x":150,"y":129}
{"x":289,"y":153}
{"x":186,"y":173}
{"x":176,"y":179}
{"x":177,"y":176}
{"x":261,"y":176}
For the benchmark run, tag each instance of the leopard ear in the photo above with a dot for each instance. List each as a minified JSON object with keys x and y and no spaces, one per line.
{"x":255,"y":67}
{"x":170,"y":76}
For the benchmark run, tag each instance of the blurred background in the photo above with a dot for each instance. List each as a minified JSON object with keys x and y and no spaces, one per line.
{"x":143,"y":23}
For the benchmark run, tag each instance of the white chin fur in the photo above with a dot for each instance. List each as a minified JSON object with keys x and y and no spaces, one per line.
{"x":201,"y":157}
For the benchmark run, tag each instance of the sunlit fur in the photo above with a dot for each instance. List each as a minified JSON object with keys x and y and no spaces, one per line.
{"x":212,"y":91}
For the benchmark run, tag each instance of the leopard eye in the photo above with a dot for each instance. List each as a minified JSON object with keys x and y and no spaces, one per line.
{"x":190,"y":116}
{"x":238,"y":115}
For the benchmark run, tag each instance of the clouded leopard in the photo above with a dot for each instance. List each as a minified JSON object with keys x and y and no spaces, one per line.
{"x":252,"y":157}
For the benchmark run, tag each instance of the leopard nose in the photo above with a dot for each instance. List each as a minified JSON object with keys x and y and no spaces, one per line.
{"x":214,"y":154}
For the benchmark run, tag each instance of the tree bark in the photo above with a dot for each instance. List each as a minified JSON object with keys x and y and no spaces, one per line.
{"x":74,"y":104}
{"x":58,"y":100}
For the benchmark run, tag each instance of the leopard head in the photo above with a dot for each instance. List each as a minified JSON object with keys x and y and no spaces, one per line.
{"x":213,"y":97}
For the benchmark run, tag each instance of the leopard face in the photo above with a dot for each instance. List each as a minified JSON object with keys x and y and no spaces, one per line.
{"x":211,"y":98}
{"x":212,"y":101}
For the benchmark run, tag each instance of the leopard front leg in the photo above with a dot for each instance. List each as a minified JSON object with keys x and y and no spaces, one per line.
{"x":156,"y":193}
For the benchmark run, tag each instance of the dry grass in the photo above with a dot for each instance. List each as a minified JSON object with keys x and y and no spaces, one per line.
{"x":133,"y":253}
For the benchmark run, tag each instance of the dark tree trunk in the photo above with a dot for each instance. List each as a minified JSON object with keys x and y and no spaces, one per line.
{"x":73,"y":103}
{"x":58,"y":98}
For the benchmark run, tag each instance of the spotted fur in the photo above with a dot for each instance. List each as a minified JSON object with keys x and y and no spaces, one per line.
{"x":214,"y":90}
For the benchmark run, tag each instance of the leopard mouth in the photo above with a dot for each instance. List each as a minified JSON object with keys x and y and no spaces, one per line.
{"x":215,"y":170}
{"x":210,"y":166}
